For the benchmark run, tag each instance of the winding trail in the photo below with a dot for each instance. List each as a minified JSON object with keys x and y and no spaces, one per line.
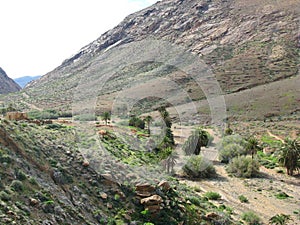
{"x":275,"y":136}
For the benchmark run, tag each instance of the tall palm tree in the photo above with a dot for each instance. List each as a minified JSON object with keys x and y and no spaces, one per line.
{"x":148,"y":119}
{"x":252,"y":146}
{"x":289,"y":155}
{"x":106,"y":116}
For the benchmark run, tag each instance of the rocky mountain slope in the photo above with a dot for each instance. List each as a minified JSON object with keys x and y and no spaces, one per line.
{"x":7,"y":85}
{"x":47,"y":179}
{"x":239,"y":44}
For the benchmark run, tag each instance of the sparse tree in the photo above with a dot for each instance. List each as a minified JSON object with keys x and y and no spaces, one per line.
{"x":199,"y":138}
{"x":106,"y":117}
{"x":10,"y":108}
{"x":148,"y":119}
{"x":289,"y":155}
{"x":252,"y":146}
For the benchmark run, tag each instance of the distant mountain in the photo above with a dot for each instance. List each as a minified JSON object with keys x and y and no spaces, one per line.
{"x":7,"y":85}
{"x":23,"y":81}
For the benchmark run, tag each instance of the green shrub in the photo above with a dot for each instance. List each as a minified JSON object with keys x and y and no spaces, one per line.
{"x":243,"y":166}
{"x":5,"y":158}
{"x":137,"y":122}
{"x":251,"y":218}
{"x":86,"y":117}
{"x":243,"y":199}
{"x":212,"y":195}
{"x":231,"y":146}
{"x":282,"y":195}
{"x":4,"y":196}
{"x":195,"y":200}
{"x":280,"y":219}
{"x":199,"y":167}
{"x":268,"y":161}
{"x":55,"y":126}
{"x":43,"y":115}
{"x":20,"y":175}
{"x":228,"y":152}
{"x":32,"y":181}
{"x":17,"y":185}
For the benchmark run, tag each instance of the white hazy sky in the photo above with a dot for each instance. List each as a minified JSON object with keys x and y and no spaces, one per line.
{"x":37,"y":35}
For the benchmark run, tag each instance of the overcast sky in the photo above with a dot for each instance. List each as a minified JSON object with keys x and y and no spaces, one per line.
{"x":37,"y":35}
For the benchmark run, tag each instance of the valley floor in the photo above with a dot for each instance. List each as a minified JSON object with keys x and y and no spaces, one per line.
{"x":261,"y":192}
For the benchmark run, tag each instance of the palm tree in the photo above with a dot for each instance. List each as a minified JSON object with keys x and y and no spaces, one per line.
{"x":106,"y":116}
{"x":169,"y":157}
{"x":171,"y":161}
{"x":252,"y":146}
{"x":148,"y":119}
{"x":280,"y":219}
{"x":199,"y":138}
{"x":289,"y":155}
{"x":165,"y":116}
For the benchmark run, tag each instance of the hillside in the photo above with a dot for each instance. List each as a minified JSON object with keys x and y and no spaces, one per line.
{"x":7,"y":85}
{"x":238,"y":44}
{"x":46,"y":178}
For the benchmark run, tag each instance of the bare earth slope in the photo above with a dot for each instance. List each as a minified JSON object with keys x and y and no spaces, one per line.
{"x":244,"y":44}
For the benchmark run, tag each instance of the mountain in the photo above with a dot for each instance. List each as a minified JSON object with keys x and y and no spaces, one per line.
{"x":23,"y":81}
{"x":7,"y":85}
{"x":238,"y":44}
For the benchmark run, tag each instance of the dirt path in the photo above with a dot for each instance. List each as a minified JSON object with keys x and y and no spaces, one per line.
{"x":275,"y":136}
{"x":31,"y":106}
{"x":259,"y":191}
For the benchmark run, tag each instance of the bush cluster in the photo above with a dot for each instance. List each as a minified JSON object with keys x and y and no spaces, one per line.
{"x":199,"y":167}
{"x":230,"y":147}
{"x":137,"y":122}
{"x":243,"y":166}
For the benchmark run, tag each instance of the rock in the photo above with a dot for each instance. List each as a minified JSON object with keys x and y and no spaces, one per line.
{"x":143,"y":194}
{"x":212,"y":215}
{"x":153,"y":208}
{"x":108,"y":179}
{"x":33,"y":201}
{"x":85,"y":163}
{"x":142,"y":188}
{"x":153,"y":200}
{"x":131,"y":176}
{"x":103,"y":195}
{"x":107,"y":176}
{"x":127,"y":217}
{"x":164,"y":185}
{"x":109,"y":205}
